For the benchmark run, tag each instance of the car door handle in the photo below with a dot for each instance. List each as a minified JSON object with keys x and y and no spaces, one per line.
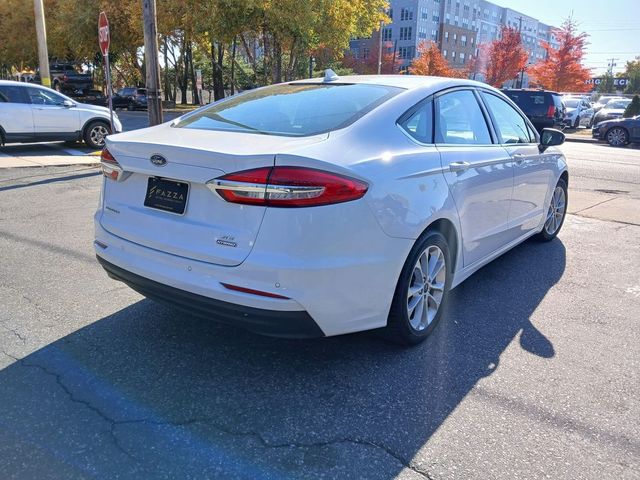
{"x":459,"y":166}
{"x":519,"y":158}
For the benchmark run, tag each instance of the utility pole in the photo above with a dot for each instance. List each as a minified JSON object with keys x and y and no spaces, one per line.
{"x":380,"y":49}
{"x":154,"y":92}
{"x":41,"y":33}
{"x":612,"y":63}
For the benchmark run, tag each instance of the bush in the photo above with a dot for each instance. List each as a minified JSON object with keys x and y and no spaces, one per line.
{"x":633,"y":108}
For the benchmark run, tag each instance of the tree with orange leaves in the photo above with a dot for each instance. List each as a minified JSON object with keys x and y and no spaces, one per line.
{"x":369,"y":64}
{"x":562,"y":70}
{"x":502,"y":59}
{"x":431,"y":62}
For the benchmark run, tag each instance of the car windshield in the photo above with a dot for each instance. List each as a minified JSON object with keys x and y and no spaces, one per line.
{"x":294,"y":109}
{"x":618,"y":104}
{"x":142,"y":91}
{"x":571,"y":102}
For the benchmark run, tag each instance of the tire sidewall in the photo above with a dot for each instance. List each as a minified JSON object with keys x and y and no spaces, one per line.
{"x":544,"y":235}
{"x":398,"y":314}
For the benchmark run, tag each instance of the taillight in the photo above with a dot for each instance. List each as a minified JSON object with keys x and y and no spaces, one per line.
{"x":551,"y":111}
{"x":287,"y":187}
{"x":110,"y":166}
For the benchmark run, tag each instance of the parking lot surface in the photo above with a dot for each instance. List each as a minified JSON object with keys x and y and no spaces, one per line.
{"x":532,"y":373}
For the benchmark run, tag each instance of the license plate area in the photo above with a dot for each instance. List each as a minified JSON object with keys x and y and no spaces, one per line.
{"x":166,"y":195}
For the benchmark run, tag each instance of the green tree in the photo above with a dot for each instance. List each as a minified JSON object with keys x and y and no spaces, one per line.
{"x":632,"y":72}
{"x":633,"y":108}
{"x":606,"y":84}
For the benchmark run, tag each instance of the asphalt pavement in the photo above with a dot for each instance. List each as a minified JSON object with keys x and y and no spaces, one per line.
{"x":532,"y":373}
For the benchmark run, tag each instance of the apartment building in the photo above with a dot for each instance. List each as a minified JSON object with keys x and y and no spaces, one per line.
{"x":457,"y":26}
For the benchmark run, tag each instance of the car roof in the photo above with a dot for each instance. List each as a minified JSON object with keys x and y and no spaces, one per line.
{"x":408,"y":82}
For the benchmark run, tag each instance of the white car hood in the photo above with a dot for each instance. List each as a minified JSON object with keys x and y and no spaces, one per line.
{"x":93,"y":108}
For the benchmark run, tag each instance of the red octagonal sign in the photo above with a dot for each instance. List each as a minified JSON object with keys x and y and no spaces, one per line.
{"x":103,"y":33}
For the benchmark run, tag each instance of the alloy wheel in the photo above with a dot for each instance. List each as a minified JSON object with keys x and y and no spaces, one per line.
{"x":98,"y":134}
{"x":426,"y":288}
{"x":556,"y":211}
{"x":617,"y":137}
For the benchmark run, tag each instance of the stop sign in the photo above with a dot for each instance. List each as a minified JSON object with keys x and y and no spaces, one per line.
{"x":103,"y":33}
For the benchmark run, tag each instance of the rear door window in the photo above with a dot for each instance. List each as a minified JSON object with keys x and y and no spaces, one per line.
{"x":12,"y":94}
{"x":419,"y":122}
{"x":459,"y":120}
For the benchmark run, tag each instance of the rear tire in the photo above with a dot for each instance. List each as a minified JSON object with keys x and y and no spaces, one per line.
{"x":130,"y":107}
{"x":421,"y":291}
{"x":95,"y":134}
{"x":556,"y":213}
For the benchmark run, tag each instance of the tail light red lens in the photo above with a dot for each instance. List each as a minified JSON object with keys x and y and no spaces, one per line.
{"x":110,"y":166}
{"x":551,"y":111}
{"x":288,"y":187}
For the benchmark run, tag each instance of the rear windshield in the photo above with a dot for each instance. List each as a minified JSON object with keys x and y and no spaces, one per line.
{"x":618,"y":104}
{"x":571,"y":103}
{"x":529,"y":99}
{"x":291,"y":109}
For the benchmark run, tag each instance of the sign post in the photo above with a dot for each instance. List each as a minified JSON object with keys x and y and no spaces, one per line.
{"x":104,"y":39}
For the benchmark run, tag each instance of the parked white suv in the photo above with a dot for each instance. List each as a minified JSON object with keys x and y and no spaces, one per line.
{"x":33,"y":113}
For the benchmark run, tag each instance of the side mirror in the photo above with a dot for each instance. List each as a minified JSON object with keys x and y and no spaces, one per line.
{"x":68,"y":104}
{"x":550,"y":138}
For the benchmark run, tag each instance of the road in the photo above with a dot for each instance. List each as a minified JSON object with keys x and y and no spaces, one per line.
{"x":532,"y":373}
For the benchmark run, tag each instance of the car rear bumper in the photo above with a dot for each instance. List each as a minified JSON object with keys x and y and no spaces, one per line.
{"x":291,"y":324}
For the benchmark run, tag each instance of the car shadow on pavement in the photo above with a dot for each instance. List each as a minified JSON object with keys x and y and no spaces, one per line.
{"x":149,"y":392}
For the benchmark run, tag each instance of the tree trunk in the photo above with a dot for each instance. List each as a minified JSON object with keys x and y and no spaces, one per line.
{"x":192,"y":73}
{"x":166,"y":70}
{"x":233,"y":67}
{"x":218,"y":79}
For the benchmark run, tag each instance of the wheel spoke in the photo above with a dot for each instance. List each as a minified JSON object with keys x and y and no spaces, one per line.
{"x":415,"y":289}
{"x":438,"y":286}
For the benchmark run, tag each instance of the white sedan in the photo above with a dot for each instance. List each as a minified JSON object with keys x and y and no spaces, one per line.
{"x":33,"y":113}
{"x":323,"y":207}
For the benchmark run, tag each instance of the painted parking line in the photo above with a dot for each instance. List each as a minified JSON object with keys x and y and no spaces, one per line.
{"x":68,"y":151}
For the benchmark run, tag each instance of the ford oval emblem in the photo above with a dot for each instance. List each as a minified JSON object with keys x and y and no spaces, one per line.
{"x":158,"y":160}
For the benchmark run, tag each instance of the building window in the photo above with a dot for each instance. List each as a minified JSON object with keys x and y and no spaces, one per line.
{"x":434,"y":35}
{"x":422,"y":32}
{"x":462,"y":57}
{"x":436,"y":18}
{"x":463,"y":40}
{"x":406,"y":13}
{"x":453,"y":56}
{"x":455,"y":38}
{"x":406,"y":52}
{"x":405,"y":33}
{"x":386,"y":35}
{"x":465,"y":21}
{"x":365,"y":53}
{"x":390,"y":13}
{"x":444,"y":53}
{"x":425,"y":14}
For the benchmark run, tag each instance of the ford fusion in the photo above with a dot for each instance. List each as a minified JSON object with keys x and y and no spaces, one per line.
{"x":323,"y":207}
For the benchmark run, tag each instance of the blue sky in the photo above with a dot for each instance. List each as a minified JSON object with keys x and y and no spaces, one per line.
{"x":613,"y":26}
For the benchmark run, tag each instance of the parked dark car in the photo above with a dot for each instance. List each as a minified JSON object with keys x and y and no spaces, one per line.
{"x":131,"y":98}
{"x":543,"y":107}
{"x":65,"y":78}
{"x":93,"y":97}
{"x":618,"y":132}
{"x":613,"y":109}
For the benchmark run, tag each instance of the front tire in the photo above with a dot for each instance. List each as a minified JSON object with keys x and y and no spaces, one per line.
{"x":556,"y":213}
{"x":422,"y":291}
{"x":617,"y":137}
{"x":96,"y":133}
{"x":130,"y":107}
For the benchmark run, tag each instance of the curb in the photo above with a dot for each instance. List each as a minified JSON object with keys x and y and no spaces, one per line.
{"x":579,"y":139}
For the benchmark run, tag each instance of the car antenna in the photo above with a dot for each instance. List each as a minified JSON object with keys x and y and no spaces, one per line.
{"x":330,"y":75}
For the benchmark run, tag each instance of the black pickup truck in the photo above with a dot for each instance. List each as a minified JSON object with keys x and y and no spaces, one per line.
{"x":66,"y":79}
